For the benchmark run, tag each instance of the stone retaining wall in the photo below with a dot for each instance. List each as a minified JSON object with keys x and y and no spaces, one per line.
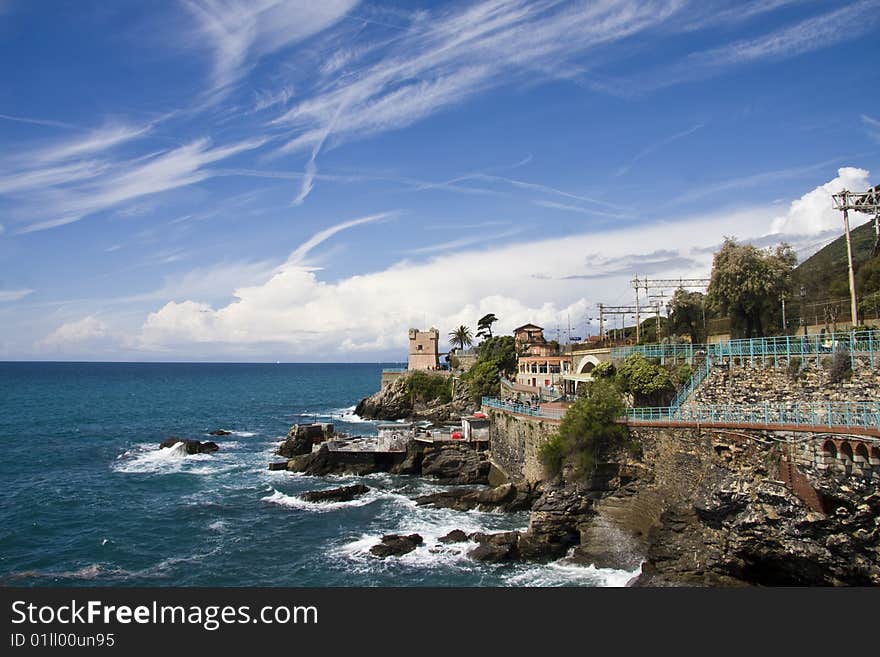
{"x":514,"y":441}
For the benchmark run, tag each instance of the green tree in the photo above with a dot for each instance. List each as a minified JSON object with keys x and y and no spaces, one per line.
{"x":496,"y":357}
{"x":501,"y":351}
{"x":589,"y":426}
{"x":747,"y":283}
{"x":461,"y":337}
{"x":484,"y":325}
{"x":648,"y":382}
{"x":687,"y":315}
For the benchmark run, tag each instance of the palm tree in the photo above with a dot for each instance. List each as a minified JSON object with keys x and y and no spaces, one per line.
{"x":461,"y":337}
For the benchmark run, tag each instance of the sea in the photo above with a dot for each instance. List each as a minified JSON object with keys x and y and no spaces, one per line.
{"x":89,"y":499}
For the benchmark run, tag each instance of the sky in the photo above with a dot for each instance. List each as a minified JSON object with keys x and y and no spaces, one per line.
{"x":262,"y":180}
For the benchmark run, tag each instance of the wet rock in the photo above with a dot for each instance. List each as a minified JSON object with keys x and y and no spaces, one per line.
{"x":495,"y":548}
{"x":396,"y":545}
{"x":455,"y":536}
{"x":342,"y":494}
{"x":455,"y":464}
{"x":500,"y":498}
{"x":278,"y":465}
{"x":220,"y":432}
{"x":302,"y":437}
{"x":192,"y":446}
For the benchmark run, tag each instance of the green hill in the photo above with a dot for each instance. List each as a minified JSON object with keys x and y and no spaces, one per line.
{"x":824,"y":274}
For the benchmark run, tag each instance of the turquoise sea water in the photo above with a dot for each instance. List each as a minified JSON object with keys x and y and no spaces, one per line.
{"x":89,"y":499}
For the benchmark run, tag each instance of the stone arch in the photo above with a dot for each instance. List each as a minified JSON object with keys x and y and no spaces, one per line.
{"x":861,"y":453}
{"x":875,"y":453}
{"x":587,"y":364}
{"x":829,"y":449}
{"x":846,"y":452}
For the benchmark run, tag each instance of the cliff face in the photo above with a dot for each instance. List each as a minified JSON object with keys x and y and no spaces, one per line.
{"x":395,"y":402}
{"x":709,"y":508}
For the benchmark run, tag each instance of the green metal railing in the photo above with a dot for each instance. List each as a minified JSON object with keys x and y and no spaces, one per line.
{"x":864,"y":415}
{"x":523,"y":409}
{"x":857,"y":343}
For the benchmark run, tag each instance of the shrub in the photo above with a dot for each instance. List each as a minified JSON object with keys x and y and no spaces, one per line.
{"x":425,"y":387}
{"x":482,"y":380}
{"x":684,"y":374}
{"x":841,"y":366}
{"x":604,"y":370}
{"x":550,"y":454}
{"x":590,"y":426}
{"x":649,"y":383}
{"x":795,"y":368}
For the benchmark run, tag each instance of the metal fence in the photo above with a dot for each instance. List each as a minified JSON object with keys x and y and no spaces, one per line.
{"x":523,"y":409}
{"x":865,"y":415}
{"x":776,"y":348}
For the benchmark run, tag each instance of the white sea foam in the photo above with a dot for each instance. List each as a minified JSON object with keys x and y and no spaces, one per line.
{"x":149,"y":458}
{"x":244,"y":434}
{"x":565,"y":573}
{"x":294,"y":502}
{"x":217,"y":526}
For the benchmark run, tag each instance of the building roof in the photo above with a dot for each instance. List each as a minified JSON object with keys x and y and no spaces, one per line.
{"x":527,"y":326}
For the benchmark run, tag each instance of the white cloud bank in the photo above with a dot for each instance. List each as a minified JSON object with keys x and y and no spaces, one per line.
{"x":814,"y":213}
{"x":292,"y":312}
{"x":88,"y":331}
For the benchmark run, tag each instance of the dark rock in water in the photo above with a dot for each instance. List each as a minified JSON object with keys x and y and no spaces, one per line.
{"x":342,"y":494}
{"x":500,"y":498}
{"x":456,"y":464}
{"x":220,"y":432}
{"x":302,"y":437}
{"x":396,"y":545}
{"x":455,"y":536}
{"x":278,"y":465}
{"x":322,"y":462}
{"x":494,"y":548}
{"x":192,"y":446}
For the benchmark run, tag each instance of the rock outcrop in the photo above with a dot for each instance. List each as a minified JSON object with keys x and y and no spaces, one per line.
{"x":450,"y":464}
{"x":396,"y":545}
{"x":395,"y":402}
{"x":507,"y":498}
{"x":192,"y":446}
{"x":302,"y":437}
{"x":341,"y":494}
{"x":219,"y":432}
{"x":453,"y":464}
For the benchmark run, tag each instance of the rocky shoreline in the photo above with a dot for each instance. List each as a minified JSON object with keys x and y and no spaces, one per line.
{"x":685,"y":507}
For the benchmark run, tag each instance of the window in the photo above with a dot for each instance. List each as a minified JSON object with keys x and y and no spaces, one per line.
{"x":419,"y":348}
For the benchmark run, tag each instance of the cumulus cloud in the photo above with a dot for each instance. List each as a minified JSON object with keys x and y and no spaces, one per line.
{"x":546,"y":281}
{"x":813,"y":213}
{"x":88,"y":330}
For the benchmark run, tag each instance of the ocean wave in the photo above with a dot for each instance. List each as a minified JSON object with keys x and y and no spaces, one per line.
{"x":566,"y":573}
{"x":244,"y":434}
{"x":151,"y":459}
{"x":294,"y":502}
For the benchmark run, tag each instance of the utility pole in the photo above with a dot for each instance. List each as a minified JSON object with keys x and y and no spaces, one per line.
{"x":854,"y":306}
{"x":783,"y":313}
{"x":867,"y":202}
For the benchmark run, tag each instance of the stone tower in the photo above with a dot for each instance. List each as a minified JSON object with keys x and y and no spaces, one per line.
{"x":423,"y":349}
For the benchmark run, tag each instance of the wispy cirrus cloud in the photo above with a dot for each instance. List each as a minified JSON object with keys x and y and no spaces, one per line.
{"x":443,"y":58}
{"x":872,"y":126}
{"x":652,"y":148}
{"x":240,"y":32}
{"x":789,"y":41}
{"x":14,"y":295}
{"x":74,"y":198}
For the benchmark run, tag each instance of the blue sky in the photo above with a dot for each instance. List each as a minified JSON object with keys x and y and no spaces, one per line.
{"x":271,"y":180}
